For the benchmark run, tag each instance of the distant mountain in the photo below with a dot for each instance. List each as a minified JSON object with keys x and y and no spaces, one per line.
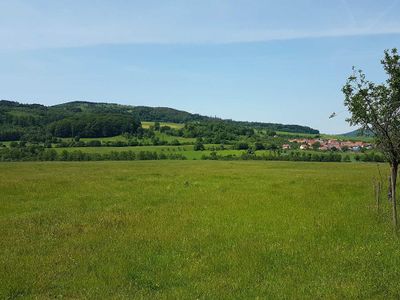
{"x":102,"y":119}
{"x":358,"y":132}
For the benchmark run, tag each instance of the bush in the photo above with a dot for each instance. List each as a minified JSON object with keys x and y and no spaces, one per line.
{"x":198,"y":146}
{"x":175,"y":142}
{"x":241,"y":146}
{"x":259,"y":146}
{"x":93,"y":143}
{"x":346,"y":158}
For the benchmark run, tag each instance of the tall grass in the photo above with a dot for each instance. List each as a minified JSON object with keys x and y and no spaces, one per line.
{"x":194,"y":229}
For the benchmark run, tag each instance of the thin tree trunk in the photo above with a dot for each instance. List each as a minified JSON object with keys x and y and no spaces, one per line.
{"x":394,"y":168}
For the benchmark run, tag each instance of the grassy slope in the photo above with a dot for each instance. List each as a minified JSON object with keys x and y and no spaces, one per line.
{"x":172,"y":125}
{"x":194,"y":229}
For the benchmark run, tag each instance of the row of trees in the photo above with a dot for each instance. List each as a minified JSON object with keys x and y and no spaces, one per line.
{"x":39,"y":153}
{"x":116,"y":143}
{"x":296,"y":156}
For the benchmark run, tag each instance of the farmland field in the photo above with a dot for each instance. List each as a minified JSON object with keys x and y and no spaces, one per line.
{"x":172,"y":125}
{"x":194,"y":229}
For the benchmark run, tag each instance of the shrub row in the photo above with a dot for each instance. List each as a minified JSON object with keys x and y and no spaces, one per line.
{"x":98,"y":143}
{"x":40,"y":153}
{"x":297,"y":156}
{"x":35,"y":153}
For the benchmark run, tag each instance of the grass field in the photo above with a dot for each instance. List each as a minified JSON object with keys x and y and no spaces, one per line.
{"x":194,"y":229}
{"x":172,"y":125}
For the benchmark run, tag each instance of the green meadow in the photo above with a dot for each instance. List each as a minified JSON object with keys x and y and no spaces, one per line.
{"x":172,"y":125}
{"x":194,"y":229}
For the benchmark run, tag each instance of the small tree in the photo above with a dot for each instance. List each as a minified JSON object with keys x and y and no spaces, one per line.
{"x":198,"y":145}
{"x":376,"y":108}
{"x":259,"y":146}
{"x":316,"y":145}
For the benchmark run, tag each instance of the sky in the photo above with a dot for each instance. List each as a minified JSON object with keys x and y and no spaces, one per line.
{"x":270,"y":61}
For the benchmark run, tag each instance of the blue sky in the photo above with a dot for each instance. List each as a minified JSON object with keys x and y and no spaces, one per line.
{"x":272,"y":61}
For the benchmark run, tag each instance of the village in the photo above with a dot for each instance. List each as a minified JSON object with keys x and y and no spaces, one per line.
{"x":326,"y":145}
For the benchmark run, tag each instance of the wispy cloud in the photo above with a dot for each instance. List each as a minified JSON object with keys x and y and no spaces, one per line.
{"x":37,"y":24}
{"x":380,"y":16}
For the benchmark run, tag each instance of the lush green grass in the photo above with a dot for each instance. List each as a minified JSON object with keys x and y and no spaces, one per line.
{"x":172,"y":125}
{"x":194,"y":229}
{"x":6,"y":143}
{"x":169,"y":138}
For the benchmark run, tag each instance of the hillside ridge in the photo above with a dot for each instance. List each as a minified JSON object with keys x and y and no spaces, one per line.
{"x":38,"y":113}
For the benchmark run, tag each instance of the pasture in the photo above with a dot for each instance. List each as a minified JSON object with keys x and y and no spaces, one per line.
{"x":170,"y":124}
{"x":194,"y":229}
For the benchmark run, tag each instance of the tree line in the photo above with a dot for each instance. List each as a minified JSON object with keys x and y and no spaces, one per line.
{"x":23,"y":152}
{"x":39,"y":153}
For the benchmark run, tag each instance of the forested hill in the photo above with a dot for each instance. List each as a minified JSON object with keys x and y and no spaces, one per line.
{"x":89,"y":119}
{"x":359,"y":132}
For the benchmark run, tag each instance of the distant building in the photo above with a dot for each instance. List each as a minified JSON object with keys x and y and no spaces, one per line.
{"x":285,"y":146}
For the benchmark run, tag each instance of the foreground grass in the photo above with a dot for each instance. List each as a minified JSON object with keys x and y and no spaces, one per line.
{"x":194,"y":229}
